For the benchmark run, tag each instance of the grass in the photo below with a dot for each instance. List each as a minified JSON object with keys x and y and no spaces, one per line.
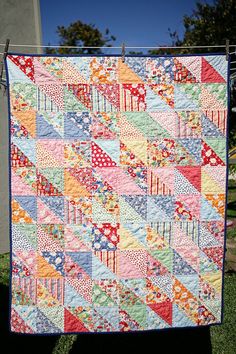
{"x":231,"y":233}
{"x":64,"y":344}
{"x":231,"y":207}
{"x":4,"y":268}
{"x":223,"y":338}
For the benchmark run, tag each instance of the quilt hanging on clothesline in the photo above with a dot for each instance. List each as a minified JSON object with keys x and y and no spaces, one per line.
{"x":118,"y":184}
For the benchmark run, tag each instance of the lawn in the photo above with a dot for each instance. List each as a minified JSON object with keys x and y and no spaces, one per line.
{"x":223,"y":338}
{"x":231,"y":207}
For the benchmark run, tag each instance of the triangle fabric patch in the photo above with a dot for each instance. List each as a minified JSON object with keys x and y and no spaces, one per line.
{"x":100,"y":158}
{"x":71,"y":75}
{"x":155,"y":102}
{"x":73,"y":323}
{"x":28,"y":120}
{"x":209,"y":74}
{"x":44,"y":129}
{"x":164,"y":310}
{"x":83,"y":260}
{"x":46,"y":270}
{"x":25,"y":64}
{"x":192,"y":174}
{"x":126,"y":74}
{"x":210,"y":157}
{"x":182,"y":74}
{"x":209,"y":128}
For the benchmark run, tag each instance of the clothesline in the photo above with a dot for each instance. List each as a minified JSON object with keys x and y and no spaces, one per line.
{"x":119,"y":47}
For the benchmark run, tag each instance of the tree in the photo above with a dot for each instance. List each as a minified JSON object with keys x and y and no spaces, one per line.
{"x":80,"y":34}
{"x":207,"y":25}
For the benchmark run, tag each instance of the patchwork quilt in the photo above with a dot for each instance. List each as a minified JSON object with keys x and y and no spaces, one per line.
{"x":118,"y":183}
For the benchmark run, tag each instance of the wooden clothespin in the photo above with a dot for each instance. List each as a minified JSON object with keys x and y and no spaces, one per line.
{"x":227,"y":49}
{"x":123,"y":52}
{"x":3,"y":59}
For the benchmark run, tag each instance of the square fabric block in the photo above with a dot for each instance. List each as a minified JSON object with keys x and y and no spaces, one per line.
{"x":160,"y":208}
{"x":77,"y":210}
{"x":105,"y":237}
{"x":105,"y":153}
{"x":191,"y":124}
{"x":50,"y":210}
{"x":187,"y":96}
{"x":50,"y":181}
{"x":118,"y":192}
{"x":77,"y":125}
{"x":23,"y":181}
{"x":50,"y":237}
{"x":77,"y":182}
{"x":133,"y":152}
{"x":105,"y":125}
{"x":50,"y":125}
{"x":50,"y":153}
{"x":27,"y":102}
{"x":160,"y":180}
{"x":77,"y":153}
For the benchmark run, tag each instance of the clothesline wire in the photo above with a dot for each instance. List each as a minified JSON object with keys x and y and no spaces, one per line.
{"x":119,"y":47}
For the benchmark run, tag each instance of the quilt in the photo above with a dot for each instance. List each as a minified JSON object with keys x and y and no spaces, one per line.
{"x":118,"y":191}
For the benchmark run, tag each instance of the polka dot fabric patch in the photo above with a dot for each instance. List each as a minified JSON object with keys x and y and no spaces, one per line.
{"x":118,"y":184}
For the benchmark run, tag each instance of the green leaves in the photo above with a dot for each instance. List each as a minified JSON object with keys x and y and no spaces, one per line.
{"x":82,"y":35}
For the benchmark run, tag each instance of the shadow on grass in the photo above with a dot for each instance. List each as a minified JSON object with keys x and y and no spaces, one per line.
{"x":232,"y":187}
{"x":231,"y":209}
{"x":21,"y":343}
{"x":178,"y":341}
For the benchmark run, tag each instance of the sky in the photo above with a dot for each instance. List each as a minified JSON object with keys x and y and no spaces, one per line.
{"x":134,"y":22}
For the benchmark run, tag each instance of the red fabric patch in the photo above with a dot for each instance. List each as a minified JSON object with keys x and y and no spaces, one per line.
{"x":25,"y":64}
{"x":18,"y":158}
{"x":111,"y":232}
{"x":193,"y":174}
{"x":83,"y":94}
{"x":72,"y":323}
{"x":164,"y":310}
{"x":182,"y":74}
{"x":210,"y":157}
{"x":209,"y":74}
{"x":100,"y":158}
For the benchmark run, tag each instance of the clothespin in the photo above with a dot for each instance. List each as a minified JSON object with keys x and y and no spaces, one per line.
{"x":3,"y":59}
{"x":123,"y":52}
{"x":227,"y":49}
